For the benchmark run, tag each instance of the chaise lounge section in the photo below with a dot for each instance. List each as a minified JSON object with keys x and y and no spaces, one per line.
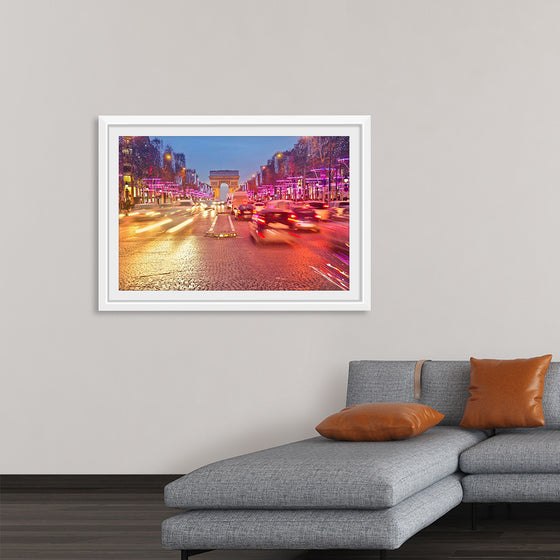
{"x":356,"y":529}
{"x":325,"y":494}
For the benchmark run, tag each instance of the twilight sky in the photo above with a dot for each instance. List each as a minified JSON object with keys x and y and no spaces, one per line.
{"x":245,"y":153}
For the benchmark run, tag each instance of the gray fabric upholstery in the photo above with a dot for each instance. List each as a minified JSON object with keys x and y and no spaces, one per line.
{"x":551,"y":396}
{"x":378,"y":381}
{"x":531,"y":451}
{"x":322,"y":473}
{"x":321,"y":494}
{"x":511,"y":488}
{"x":312,"y":529}
{"x":445,"y":387}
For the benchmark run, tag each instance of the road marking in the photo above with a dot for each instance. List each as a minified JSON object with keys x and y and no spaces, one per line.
{"x":231,"y":224}
{"x":211,"y":230}
{"x":212,"y":233}
{"x":157,"y":224}
{"x":181,"y":225}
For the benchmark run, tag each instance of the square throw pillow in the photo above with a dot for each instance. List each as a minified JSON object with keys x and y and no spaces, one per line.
{"x":506,"y":393}
{"x":379,"y":422}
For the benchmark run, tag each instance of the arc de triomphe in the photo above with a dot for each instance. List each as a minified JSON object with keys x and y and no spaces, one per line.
{"x":228,"y":176}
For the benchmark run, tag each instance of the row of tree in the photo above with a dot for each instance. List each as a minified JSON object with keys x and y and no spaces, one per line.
{"x":311,"y":155}
{"x":147,"y":158}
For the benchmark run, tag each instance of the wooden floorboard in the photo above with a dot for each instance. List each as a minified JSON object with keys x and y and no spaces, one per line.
{"x":93,"y":524}
{"x":119,"y":482}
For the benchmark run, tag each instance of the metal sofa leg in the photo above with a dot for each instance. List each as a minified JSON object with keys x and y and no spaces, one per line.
{"x":508,"y":510}
{"x":186,"y":554}
{"x":473,"y":516}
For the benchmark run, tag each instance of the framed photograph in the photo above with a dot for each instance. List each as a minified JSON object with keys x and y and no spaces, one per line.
{"x":234,"y":213}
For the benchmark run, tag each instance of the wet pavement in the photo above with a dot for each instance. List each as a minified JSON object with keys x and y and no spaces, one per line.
{"x":167,"y":248}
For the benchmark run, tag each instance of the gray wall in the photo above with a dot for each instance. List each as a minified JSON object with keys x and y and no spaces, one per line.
{"x":466,"y":127}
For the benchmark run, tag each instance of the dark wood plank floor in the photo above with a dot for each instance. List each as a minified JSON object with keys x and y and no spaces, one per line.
{"x":92,"y":524}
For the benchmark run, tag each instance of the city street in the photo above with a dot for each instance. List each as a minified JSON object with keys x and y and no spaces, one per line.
{"x":169,"y":247}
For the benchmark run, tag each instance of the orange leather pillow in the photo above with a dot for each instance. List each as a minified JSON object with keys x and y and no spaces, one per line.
{"x":506,"y":393}
{"x":382,"y":421}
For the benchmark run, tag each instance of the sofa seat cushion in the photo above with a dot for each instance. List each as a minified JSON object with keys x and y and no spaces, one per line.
{"x":523,"y":451}
{"x":312,"y":529}
{"x":492,"y":488}
{"x":319,"y":473}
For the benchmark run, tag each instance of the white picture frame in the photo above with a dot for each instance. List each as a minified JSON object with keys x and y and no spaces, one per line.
{"x":358,"y":295}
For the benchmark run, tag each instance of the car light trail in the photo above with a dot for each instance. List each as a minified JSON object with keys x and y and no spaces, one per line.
{"x":153,"y":226}
{"x":344,"y":258}
{"x":330,"y":278}
{"x":181,"y":225}
{"x":341,"y":272}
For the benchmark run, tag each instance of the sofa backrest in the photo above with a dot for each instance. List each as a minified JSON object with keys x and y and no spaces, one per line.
{"x":445,"y":387}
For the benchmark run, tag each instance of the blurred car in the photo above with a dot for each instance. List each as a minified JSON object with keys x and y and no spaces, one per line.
{"x":258,"y":206}
{"x":238,"y":198}
{"x":338,"y":207}
{"x":342,"y":215}
{"x":322,"y":209}
{"x":337,"y":235}
{"x":244,"y":212}
{"x":209,"y":207}
{"x":271,"y":225}
{"x":280,"y":204}
{"x":145,"y":211}
{"x":187,"y":206}
{"x":303,"y":218}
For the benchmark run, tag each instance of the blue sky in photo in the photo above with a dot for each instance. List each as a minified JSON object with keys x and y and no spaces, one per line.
{"x":245,"y":153}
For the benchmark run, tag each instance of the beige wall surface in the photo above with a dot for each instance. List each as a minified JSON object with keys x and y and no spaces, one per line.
{"x":466,"y":198}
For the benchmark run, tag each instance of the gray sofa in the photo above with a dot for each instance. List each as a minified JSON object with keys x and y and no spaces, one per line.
{"x":324,"y":494}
